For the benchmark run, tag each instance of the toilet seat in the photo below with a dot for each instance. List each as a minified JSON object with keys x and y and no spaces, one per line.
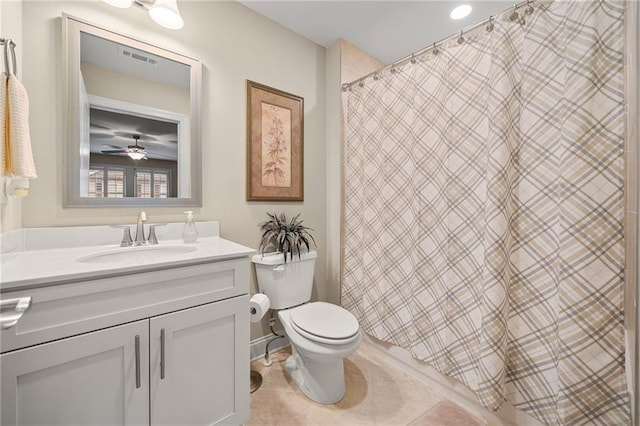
{"x":324,"y":323}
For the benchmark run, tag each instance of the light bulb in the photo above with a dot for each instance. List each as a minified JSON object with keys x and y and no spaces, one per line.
{"x":122,"y":4}
{"x":460,"y":11}
{"x":166,"y":13}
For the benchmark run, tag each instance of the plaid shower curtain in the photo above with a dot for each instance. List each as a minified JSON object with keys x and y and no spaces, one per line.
{"x":484,"y":211}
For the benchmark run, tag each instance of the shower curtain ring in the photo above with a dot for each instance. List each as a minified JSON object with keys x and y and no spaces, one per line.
{"x":345,"y":87}
{"x":461,"y":38}
{"x":413,"y":58}
{"x":529,"y":9}
{"x":361,"y":84}
{"x":435,"y":49}
{"x":489,"y":26}
{"x":514,"y":16}
{"x":375,"y":76}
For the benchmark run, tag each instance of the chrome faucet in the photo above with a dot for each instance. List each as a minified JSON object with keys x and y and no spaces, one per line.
{"x":140,"y":239}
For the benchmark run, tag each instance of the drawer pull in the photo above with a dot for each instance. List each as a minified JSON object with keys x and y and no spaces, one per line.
{"x":11,"y":311}
{"x":162,"y":361}
{"x":138,"y":362}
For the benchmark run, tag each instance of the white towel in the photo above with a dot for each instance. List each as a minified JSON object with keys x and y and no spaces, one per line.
{"x":3,"y":124}
{"x":18,"y":158}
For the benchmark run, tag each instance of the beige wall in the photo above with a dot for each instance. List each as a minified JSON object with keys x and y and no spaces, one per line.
{"x":140,"y":91}
{"x":234,"y":44}
{"x":11,"y":27}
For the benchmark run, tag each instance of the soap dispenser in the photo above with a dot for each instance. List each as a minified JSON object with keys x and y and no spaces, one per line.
{"x":190,"y":232}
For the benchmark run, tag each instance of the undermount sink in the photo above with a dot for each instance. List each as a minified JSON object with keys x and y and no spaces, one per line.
{"x":133,"y":255}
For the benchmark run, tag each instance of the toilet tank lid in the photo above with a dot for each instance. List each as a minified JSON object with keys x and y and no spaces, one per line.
{"x":277,"y":258}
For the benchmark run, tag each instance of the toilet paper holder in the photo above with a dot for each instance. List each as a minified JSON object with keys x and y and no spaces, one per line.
{"x":255,"y":378}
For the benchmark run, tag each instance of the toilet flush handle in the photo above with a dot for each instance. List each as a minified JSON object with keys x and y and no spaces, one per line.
{"x":278,"y":268}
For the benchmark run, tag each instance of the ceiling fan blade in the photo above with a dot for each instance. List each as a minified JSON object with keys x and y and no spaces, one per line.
{"x":163,"y":156}
{"x":140,"y":136}
{"x":113,"y":147}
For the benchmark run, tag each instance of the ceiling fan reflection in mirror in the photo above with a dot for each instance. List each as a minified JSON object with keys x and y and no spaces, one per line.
{"x":136,"y":152}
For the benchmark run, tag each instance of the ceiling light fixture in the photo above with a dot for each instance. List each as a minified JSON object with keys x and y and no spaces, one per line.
{"x":459,"y":12}
{"x":163,"y":12}
{"x":136,"y":155}
{"x":136,"y":152}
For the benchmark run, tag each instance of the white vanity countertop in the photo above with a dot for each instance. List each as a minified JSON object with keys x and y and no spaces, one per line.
{"x":49,"y":266}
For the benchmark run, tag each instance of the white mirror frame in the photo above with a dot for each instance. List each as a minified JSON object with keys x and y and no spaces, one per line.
{"x":72,"y":159}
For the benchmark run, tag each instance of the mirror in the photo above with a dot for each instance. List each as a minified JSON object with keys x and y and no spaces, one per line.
{"x":133,"y":121}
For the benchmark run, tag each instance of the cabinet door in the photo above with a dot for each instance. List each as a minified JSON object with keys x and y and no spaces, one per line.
{"x":89,"y":379}
{"x":201,"y":377}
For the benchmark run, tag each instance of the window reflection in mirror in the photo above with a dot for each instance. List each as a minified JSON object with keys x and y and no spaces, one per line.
{"x":133,"y":126}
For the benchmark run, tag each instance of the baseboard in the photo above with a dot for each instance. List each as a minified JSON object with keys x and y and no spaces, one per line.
{"x":259,"y":345}
{"x":630,"y":368}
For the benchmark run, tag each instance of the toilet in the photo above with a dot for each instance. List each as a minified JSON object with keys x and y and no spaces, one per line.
{"x":321,"y":334}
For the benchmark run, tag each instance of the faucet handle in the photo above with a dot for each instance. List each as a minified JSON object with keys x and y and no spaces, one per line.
{"x":126,"y":237}
{"x":152,"y":233}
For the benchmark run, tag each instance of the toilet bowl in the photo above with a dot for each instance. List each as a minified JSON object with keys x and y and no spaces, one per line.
{"x":321,"y":334}
{"x":316,"y":364}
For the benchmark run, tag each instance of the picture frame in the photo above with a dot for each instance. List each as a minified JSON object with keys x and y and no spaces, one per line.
{"x":275,"y":144}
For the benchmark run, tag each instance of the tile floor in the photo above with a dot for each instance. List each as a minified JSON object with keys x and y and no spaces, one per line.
{"x":378,"y":393}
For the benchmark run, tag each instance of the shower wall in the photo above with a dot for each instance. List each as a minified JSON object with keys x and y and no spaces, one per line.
{"x":344,"y":63}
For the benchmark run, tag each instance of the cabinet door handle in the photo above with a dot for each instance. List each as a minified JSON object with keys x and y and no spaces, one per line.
{"x":138,"y":362}
{"x":162,"y":360}
{"x":11,"y":311}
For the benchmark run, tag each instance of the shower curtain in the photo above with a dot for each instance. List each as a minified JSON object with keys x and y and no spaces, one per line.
{"x":484,"y":203}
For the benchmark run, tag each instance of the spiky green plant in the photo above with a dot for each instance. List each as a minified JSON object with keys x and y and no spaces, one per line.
{"x":288,"y":237}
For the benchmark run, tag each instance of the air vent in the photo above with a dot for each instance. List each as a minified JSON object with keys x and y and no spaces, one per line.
{"x":139,"y":57}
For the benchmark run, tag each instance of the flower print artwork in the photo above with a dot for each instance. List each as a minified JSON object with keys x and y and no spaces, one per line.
{"x":276,"y":146}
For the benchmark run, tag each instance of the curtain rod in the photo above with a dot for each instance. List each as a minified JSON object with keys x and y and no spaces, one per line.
{"x":412,"y":57}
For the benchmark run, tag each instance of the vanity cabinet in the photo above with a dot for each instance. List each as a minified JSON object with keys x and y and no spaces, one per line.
{"x":181,"y":358}
{"x":204,"y":378}
{"x":82,"y":380}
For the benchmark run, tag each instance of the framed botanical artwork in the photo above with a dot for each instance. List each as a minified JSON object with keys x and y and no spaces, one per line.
{"x":275,"y":131}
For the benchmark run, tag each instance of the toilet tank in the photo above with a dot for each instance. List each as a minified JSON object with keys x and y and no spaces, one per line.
{"x":285,"y":284}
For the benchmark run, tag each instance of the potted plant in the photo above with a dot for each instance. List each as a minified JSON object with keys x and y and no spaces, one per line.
{"x":285,"y":236}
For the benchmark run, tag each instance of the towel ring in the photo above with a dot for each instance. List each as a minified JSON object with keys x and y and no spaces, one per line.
{"x":6,"y":58}
{"x":10,"y":44}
